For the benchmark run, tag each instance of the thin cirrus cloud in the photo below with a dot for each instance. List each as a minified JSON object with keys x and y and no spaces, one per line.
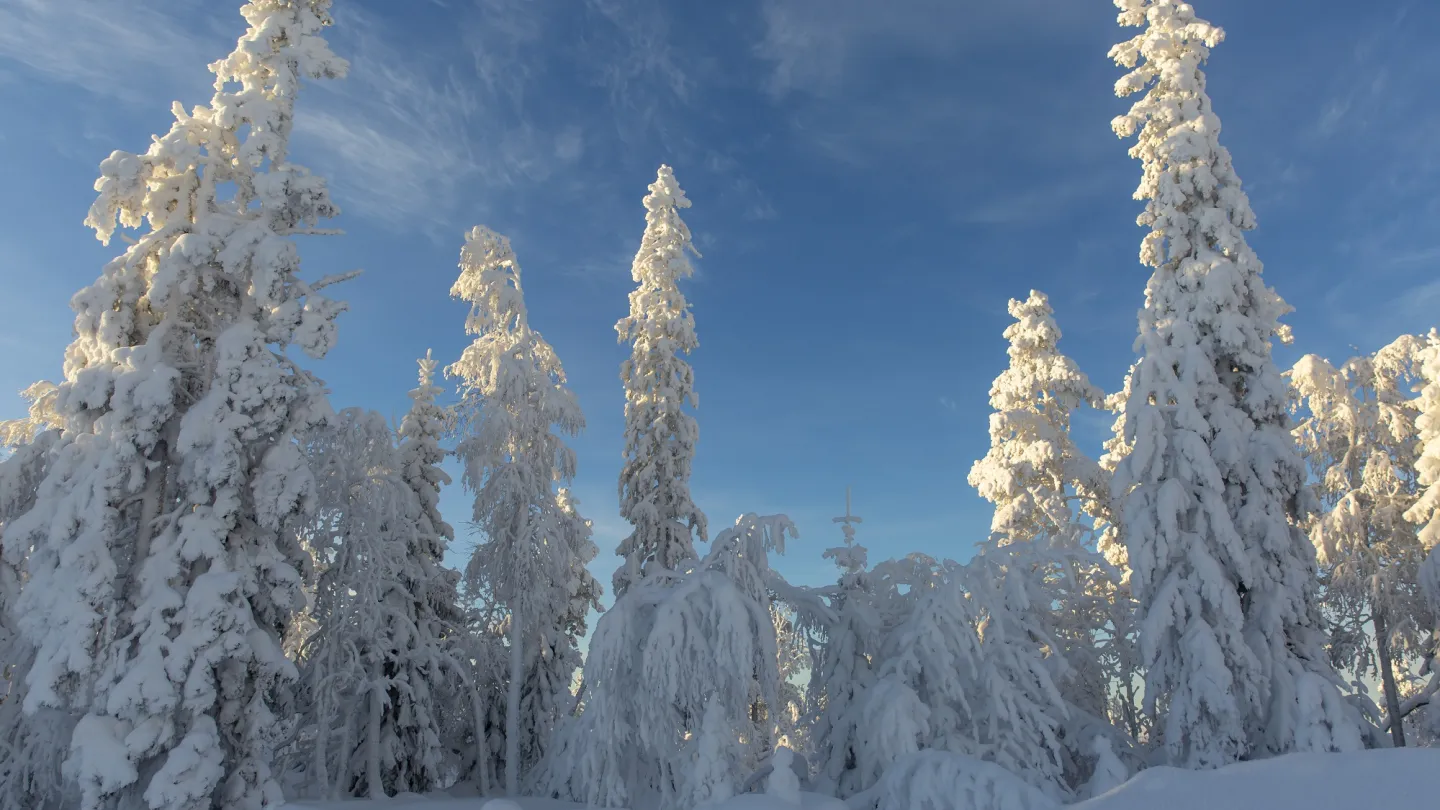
{"x":401,"y":135}
{"x":509,"y":106}
{"x":414,"y":138}
{"x":1372,"y":130}
{"x":910,"y":92}
{"x":145,"y":53}
{"x":646,"y":56}
{"x":129,"y":50}
{"x":462,"y":110}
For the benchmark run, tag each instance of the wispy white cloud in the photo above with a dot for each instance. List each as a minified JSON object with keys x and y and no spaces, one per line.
{"x":121,"y":48}
{"x":430,"y":126}
{"x":408,"y":136}
{"x":1380,"y":237}
{"x":629,"y":52}
{"x":402,"y":138}
{"x":1332,"y":114}
{"x":1357,"y":93}
{"x":648,"y":55}
{"x":501,"y":38}
{"x":1419,"y":304}
{"x":1369,"y":323}
{"x":382,"y":174}
{"x":1420,"y":256}
{"x":570,"y":144}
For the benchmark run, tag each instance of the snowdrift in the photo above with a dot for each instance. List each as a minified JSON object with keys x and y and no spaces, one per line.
{"x":751,"y":801}
{"x":1387,"y":778}
{"x":1393,"y":778}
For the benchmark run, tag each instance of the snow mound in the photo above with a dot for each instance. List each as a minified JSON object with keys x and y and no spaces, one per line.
{"x":760,"y":801}
{"x":941,"y":780}
{"x":440,"y":801}
{"x":748,"y":801}
{"x":1385,"y":778}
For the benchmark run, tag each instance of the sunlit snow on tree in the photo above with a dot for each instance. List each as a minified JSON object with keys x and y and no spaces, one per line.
{"x":1212,"y":485}
{"x":162,"y":575}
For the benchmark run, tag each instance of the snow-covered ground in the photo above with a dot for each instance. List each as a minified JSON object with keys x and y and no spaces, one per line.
{"x":409,"y":801}
{"x":810,"y":801}
{"x":1370,"y":779}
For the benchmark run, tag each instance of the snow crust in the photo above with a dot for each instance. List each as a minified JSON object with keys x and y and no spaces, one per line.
{"x":748,"y":801}
{"x":1377,"y":778}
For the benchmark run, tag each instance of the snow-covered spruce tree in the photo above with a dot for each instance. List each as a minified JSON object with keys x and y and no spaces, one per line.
{"x":783,"y":783}
{"x":162,"y":575}
{"x":551,"y":663}
{"x":1425,"y":513}
{"x":1033,"y":472}
{"x":359,"y":502}
{"x":1021,"y":712}
{"x":843,"y":670}
{"x":25,"y":452}
{"x":384,"y":637}
{"x":788,"y":718}
{"x":31,"y":746}
{"x":1109,"y":772}
{"x":659,"y":656}
{"x":40,"y":418}
{"x":439,"y":619}
{"x":583,"y":589}
{"x":953,"y":675}
{"x":424,"y":678}
{"x":923,"y":696}
{"x":1358,"y":435}
{"x":584,"y":596}
{"x":420,"y":457}
{"x":716,"y":754}
{"x":1116,"y":448}
{"x":514,"y":408}
{"x":1120,"y":649}
{"x":945,"y":779}
{"x":1213,"y":486}
{"x":1039,"y":541}
{"x":659,"y":434}
{"x":742,"y":553}
{"x":394,"y":651}
{"x":477,"y":739}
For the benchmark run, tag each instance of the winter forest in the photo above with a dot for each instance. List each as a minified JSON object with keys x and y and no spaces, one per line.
{"x":221,"y":589}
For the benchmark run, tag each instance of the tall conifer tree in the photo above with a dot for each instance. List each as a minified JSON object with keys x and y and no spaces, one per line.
{"x":163,"y":575}
{"x":660,"y":434}
{"x":514,"y":409}
{"x":1213,"y":485}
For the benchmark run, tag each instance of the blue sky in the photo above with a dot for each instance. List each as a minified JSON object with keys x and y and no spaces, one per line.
{"x":871,"y":182}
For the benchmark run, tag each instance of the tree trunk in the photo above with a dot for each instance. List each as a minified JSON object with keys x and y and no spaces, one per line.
{"x":150,"y":503}
{"x":1132,"y":719}
{"x":482,"y":742}
{"x":372,"y":743}
{"x":343,"y":780}
{"x":1387,"y":678}
{"x":152,"y":496}
{"x":322,"y":735}
{"x":512,"y":709}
